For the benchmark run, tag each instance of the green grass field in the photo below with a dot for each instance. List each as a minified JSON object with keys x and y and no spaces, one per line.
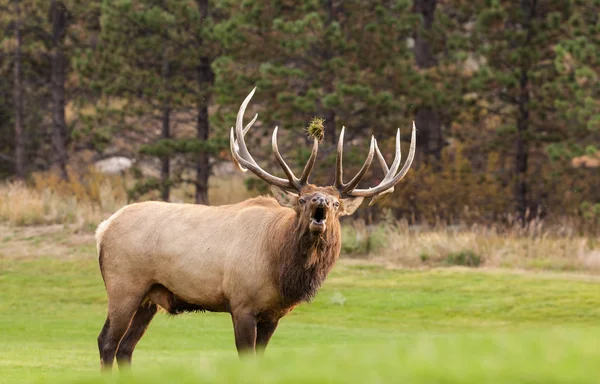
{"x":368,"y":324}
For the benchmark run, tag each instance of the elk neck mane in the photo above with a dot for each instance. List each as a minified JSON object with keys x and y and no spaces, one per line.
{"x":304,"y":258}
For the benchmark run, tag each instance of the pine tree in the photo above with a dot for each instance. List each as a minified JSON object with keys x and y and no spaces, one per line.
{"x":38,"y":45}
{"x":426,"y":118}
{"x":137,"y":60}
{"x":157,"y":55}
{"x":576,"y":91}
{"x":18,"y":93}
{"x":436,"y":80}
{"x":577,"y":102}
{"x":200,"y":26}
{"x":517,"y":44}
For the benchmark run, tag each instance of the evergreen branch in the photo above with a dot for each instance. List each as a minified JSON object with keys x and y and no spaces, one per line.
{"x":506,"y":97}
{"x":39,"y":32}
{"x":163,"y":33}
{"x":496,"y":111}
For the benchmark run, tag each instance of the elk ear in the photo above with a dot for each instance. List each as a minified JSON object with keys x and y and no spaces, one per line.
{"x":349,"y":205}
{"x":284,"y":198}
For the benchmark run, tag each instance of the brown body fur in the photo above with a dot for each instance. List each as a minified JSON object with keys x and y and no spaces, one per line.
{"x":256,"y":260}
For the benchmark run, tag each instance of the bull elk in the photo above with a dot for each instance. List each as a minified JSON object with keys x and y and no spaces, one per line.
{"x":256,"y":259}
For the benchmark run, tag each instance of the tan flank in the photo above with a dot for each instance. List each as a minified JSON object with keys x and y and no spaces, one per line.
{"x":256,"y":260}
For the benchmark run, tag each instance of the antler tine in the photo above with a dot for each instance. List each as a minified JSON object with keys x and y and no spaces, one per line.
{"x":389,"y":173}
{"x":397,"y":158}
{"x":389,"y":180}
{"x":233,"y":143}
{"x":290,"y":175}
{"x":310,"y":163}
{"x":339,"y":169}
{"x":234,"y":147}
{"x":242,"y":158}
{"x":251,"y":123}
{"x":361,"y":173}
{"x":239,"y":127}
{"x":381,"y":159}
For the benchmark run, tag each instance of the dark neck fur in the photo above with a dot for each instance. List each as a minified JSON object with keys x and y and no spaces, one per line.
{"x":306,"y":259}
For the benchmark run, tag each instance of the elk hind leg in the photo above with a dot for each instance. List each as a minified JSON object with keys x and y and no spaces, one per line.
{"x":120,"y":314}
{"x":136,"y":330}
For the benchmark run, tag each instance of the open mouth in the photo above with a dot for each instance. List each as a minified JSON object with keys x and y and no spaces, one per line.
{"x":319,"y":216}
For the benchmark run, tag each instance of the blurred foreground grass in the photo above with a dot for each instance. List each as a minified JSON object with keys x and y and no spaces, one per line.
{"x":566,"y":356}
{"x":368,"y":324}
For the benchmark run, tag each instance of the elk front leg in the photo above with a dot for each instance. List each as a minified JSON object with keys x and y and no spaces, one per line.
{"x":244,"y":328}
{"x":264,"y":331}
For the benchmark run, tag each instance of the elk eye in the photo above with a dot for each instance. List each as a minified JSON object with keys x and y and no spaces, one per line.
{"x":336,"y":204}
{"x":302,"y":201}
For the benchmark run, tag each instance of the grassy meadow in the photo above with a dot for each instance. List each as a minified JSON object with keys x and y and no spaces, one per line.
{"x":368,"y":323}
{"x":403,"y":304}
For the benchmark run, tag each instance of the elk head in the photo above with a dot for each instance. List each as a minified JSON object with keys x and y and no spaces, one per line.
{"x":318,"y":208}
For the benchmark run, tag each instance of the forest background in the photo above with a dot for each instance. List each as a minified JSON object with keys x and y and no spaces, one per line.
{"x":504,"y":95}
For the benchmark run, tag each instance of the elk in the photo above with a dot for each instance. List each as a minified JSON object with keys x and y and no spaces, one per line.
{"x":256,"y":260}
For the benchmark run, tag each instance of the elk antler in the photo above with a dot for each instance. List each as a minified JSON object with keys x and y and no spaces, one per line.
{"x":386,"y":185}
{"x":339,"y":184}
{"x":244,"y":161}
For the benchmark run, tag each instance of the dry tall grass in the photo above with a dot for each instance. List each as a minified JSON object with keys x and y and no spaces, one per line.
{"x":23,"y":205}
{"x":221,"y":190}
{"x":88,"y":199}
{"x":534,"y":247}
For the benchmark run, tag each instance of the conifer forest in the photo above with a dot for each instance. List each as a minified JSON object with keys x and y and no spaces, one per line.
{"x":505,"y":97}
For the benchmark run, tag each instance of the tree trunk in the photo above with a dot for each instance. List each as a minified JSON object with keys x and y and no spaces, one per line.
{"x":429,"y":130}
{"x":423,"y":55}
{"x":334,"y":9}
{"x":59,"y":17}
{"x":205,"y":79}
{"x":165,"y":186}
{"x":329,"y":127}
{"x":522,"y":150}
{"x":428,"y":122}
{"x":521,"y":142}
{"x":18,"y":99}
{"x":165,"y":163}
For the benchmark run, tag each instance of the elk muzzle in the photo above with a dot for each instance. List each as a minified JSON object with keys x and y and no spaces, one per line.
{"x":320,"y":209}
